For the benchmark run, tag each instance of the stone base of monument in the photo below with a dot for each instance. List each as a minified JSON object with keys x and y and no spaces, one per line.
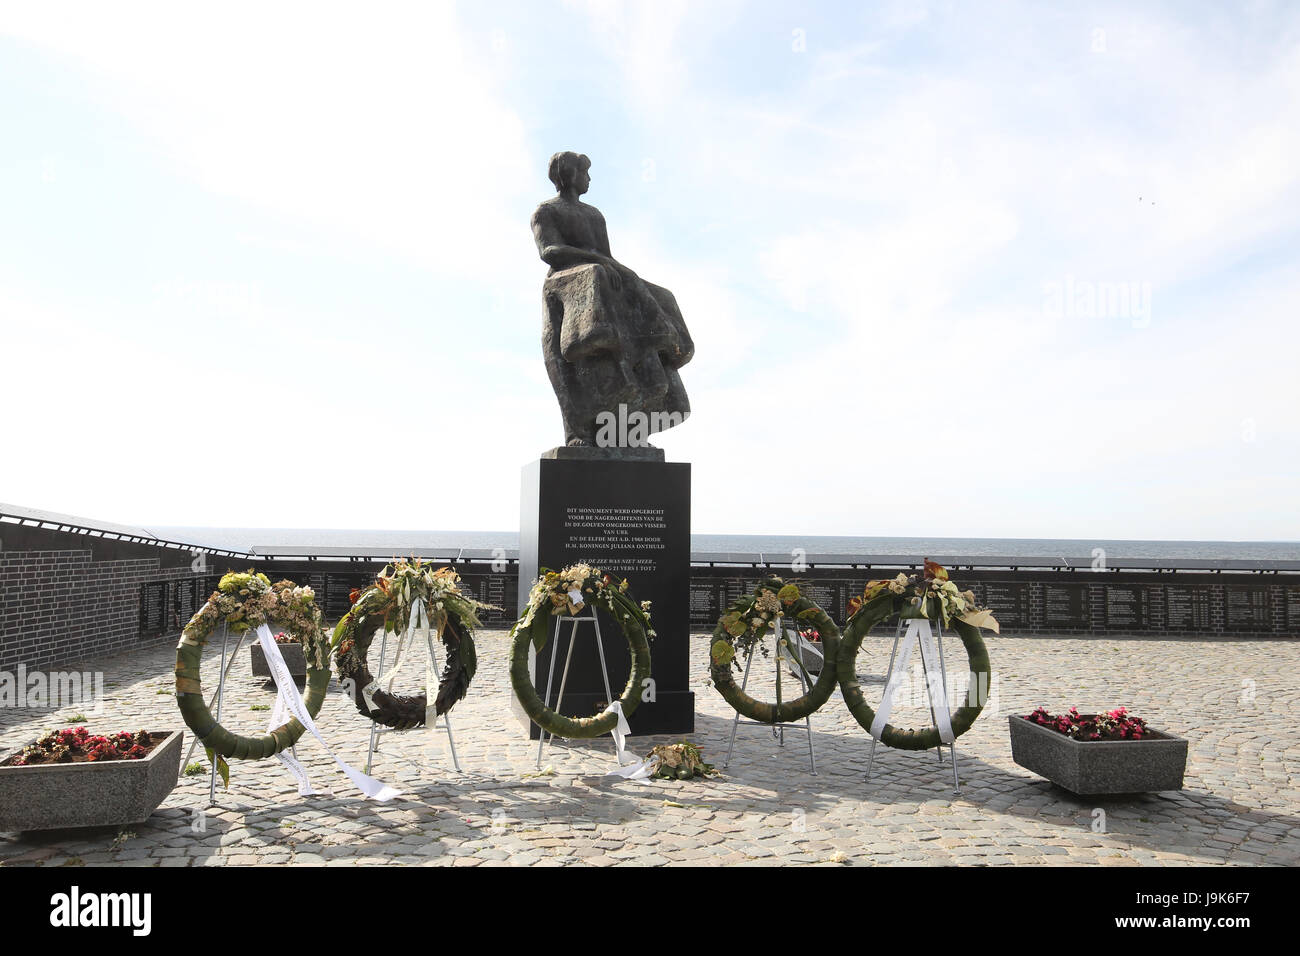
{"x":595,"y":453}
{"x":631,"y":519}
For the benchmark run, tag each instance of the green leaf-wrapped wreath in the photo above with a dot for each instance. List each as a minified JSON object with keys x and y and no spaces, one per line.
{"x":743,"y":628}
{"x":555,"y":594}
{"x":388,"y":603}
{"x":245,"y":601}
{"x":933,"y":597}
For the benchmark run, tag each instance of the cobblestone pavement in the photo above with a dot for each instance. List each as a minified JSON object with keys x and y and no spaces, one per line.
{"x":1233,"y":701}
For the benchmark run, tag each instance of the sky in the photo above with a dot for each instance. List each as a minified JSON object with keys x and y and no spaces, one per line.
{"x":952,"y":269}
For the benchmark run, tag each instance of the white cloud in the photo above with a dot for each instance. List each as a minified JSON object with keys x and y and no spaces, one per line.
{"x":383,"y":124}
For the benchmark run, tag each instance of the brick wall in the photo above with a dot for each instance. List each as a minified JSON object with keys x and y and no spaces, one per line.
{"x":64,"y":604}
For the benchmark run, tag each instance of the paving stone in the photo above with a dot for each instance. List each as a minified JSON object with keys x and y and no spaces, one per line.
{"x":1240,"y":804}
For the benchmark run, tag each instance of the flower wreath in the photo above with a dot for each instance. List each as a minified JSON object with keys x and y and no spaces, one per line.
{"x":246,"y":601}
{"x":389,"y":603}
{"x":555,"y":594}
{"x":933,"y":597}
{"x":680,"y":761}
{"x":742,"y":629}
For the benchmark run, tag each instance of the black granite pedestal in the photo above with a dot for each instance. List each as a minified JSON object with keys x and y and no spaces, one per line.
{"x":630,"y":519}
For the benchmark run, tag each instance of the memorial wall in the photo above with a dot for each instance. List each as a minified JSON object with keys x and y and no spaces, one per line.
{"x":1189,"y":604}
{"x":1065,"y":602}
{"x":133,"y":595}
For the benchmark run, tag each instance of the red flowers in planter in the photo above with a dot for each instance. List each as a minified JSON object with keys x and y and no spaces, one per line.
{"x":283,"y":638}
{"x":76,"y":743}
{"x":1114,"y":724}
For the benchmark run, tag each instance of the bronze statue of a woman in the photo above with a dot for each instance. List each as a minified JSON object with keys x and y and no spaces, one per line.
{"x":613,"y":342}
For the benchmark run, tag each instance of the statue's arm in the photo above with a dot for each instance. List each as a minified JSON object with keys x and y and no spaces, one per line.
{"x":555,"y":251}
{"x":602,"y":236}
{"x":602,"y":243}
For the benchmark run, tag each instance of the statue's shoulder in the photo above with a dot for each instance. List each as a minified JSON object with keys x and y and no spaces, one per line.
{"x":545,"y":210}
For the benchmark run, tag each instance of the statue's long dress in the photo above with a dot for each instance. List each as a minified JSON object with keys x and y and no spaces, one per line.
{"x":620,"y":346}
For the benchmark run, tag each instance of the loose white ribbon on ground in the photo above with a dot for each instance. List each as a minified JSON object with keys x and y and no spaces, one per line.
{"x":638,"y":769}
{"x":918,"y":632}
{"x":290,"y":703}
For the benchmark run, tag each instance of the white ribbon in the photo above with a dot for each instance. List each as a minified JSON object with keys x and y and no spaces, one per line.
{"x":279,"y":715}
{"x":639,"y":770}
{"x":368,"y":692}
{"x":418,"y":621}
{"x":289,"y":702}
{"x":934,"y":678}
{"x":430,"y":701}
{"x":431,"y":682}
{"x":918,"y":632}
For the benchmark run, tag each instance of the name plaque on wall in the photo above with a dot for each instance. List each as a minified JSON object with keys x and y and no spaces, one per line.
{"x":153,"y":609}
{"x":1292,"y":604}
{"x":1187,"y":608}
{"x":708,"y":601}
{"x":1009,"y":601}
{"x":1065,"y":606}
{"x":1245,"y":608}
{"x":495,"y":588}
{"x":338,"y":589}
{"x":1127,"y":607}
{"x":185,"y":601}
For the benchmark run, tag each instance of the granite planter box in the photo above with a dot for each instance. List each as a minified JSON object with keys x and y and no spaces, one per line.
{"x":84,"y":794}
{"x":1092,"y":767}
{"x":293,"y":656}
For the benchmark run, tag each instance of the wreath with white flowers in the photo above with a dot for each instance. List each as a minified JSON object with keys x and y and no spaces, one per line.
{"x":388,"y":604}
{"x":246,"y":601}
{"x":936,"y":598}
{"x":555,"y":594}
{"x":742,"y":629}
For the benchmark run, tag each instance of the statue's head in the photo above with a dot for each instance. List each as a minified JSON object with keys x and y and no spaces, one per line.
{"x":568,"y":170}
